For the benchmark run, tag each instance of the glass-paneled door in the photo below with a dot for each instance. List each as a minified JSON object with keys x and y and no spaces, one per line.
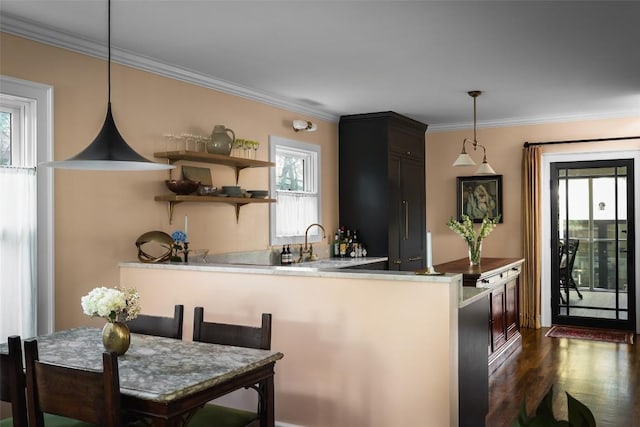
{"x":592,"y":280}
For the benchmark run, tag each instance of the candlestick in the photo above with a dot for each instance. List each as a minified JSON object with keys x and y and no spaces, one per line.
{"x":429,"y":252}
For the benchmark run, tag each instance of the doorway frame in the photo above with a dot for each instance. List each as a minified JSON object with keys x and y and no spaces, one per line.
{"x":545,"y":194}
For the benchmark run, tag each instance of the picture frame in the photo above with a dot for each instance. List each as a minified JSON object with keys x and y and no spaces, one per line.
{"x":479,"y":196}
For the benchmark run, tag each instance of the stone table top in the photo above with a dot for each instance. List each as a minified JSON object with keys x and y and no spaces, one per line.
{"x":154,"y":368}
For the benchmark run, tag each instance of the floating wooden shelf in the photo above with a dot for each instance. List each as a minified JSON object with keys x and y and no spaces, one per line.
{"x":237,"y":163}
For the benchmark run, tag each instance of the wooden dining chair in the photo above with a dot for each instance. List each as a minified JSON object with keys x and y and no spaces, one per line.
{"x":567,"y":255}
{"x":236,"y":335}
{"x":12,"y":383}
{"x":169,"y":327}
{"x":82,"y":395}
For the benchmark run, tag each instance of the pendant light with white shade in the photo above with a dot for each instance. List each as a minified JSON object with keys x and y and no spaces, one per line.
{"x":463,"y":158}
{"x":108,"y":151}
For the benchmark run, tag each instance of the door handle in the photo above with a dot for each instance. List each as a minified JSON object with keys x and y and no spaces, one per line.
{"x":415,"y":258}
{"x":406,"y":219}
{"x":397,"y":262}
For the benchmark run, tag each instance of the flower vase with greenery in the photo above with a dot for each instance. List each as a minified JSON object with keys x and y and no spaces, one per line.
{"x":180,"y":246}
{"x":465,"y":229}
{"x":116,"y":305}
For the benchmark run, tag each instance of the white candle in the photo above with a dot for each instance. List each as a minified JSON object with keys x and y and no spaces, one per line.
{"x":186,"y":227}
{"x":429,"y":252}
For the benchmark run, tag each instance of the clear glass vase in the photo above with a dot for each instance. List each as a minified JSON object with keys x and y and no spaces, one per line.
{"x":475,"y":252}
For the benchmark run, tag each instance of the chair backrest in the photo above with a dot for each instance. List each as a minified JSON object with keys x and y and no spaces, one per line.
{"x":237,"y":335}
{"x":170,"y":327}
{"x":89,"y":396}
{"x":12,"y":381}
{"x":568,"y":254}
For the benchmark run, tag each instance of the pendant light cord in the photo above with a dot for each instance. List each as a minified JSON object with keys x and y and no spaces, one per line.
{"x":475,"y":140}
{"x":109,"y":54}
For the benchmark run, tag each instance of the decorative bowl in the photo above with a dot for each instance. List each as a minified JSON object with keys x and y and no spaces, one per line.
{"x":232,"y":190}
{"x":182,"y":186}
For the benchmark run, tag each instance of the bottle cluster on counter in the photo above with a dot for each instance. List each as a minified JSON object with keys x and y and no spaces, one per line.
{"x":286,"y":257}
{"x":346,"y":244}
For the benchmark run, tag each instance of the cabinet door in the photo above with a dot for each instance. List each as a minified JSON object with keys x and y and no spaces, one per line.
{"x":412,"y":234}
{"x":406,"y":214}
{"x":512,"y":311}
{"x":498,"y":337}
{"x":396,"y":211}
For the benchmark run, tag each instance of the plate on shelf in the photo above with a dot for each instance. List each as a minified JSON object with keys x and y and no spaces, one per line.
{"x":194,"y":173}
{"x":259,"y":194}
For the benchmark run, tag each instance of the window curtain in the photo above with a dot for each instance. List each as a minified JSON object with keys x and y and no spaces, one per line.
{"x":294,"y":212}
{"x":18,"y":264}
{"x":530,"y":292}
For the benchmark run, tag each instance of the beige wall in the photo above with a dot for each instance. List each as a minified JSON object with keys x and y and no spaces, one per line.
{"x":99,"y":215}
{"x":504,"y":153}
{"x":388,"y":359}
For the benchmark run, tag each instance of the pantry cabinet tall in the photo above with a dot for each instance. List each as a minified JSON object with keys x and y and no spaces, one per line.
{"x":382,"y":185}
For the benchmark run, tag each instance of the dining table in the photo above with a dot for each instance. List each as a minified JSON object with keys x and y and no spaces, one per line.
{"x":166,"y":380}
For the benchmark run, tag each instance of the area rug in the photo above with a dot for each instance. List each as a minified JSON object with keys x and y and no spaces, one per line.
{"x":621,"y":337}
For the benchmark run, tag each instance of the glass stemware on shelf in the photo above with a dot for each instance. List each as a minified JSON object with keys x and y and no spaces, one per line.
{"x":245,"y":149}
{"x":242,"y":148}
{"x":186,"y":142}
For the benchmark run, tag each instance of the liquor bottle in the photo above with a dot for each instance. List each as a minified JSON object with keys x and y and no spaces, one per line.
{"x":343,"y":242}
{"x":355,"y":245}
{"x":336,"y":245}
{"x":343,"y":248}
{"x":289,"y":257}
{"x":283,"y":255}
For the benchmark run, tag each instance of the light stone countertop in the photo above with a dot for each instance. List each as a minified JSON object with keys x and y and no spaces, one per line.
{"x":154,"y":368}
{"x":332,"y":267}
{"x":472,"y":294}
{"x":321,"y":268}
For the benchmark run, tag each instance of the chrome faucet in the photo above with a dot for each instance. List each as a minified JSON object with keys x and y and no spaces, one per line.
{"x":308,"y":248}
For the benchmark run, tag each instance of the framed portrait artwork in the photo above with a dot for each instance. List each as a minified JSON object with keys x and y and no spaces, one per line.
{"x":479,"y":196}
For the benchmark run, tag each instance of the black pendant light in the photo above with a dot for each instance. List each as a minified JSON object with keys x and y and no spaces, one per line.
{"x":108,"y":151}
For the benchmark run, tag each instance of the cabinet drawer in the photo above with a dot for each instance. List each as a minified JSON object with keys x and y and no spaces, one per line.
{"x":489,"y":282}
{"x":407,"y":143}
{"x":514,"y":272}
{"x":502,"y":277}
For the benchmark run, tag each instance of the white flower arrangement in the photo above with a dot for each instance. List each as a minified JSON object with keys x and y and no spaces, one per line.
{"x":466,"y":230}
{"x":114,"y":304}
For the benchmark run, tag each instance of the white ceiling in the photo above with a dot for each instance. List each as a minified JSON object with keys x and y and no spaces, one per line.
{"x":535,"y":61}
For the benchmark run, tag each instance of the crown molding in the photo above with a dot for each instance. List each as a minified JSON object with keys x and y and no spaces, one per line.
{"x":47,"y":35}
{"x":448,"y":127}
{"x":50,"y":36}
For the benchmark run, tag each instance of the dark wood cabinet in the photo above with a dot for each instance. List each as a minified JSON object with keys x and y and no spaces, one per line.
{"x":382,"y":185}
{"x":473,"y":381}
{"x":502,"y":277}
{"x":498,"y":318}
{"x":512,"y":312}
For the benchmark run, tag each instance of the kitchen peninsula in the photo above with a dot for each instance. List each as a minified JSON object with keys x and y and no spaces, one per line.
{"x":363,"y":348}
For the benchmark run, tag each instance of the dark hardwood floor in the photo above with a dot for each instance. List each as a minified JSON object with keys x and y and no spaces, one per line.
{"x":603,"y":376}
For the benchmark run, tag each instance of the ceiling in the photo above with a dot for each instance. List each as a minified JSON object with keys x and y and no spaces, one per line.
{"x":535,"y":61}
